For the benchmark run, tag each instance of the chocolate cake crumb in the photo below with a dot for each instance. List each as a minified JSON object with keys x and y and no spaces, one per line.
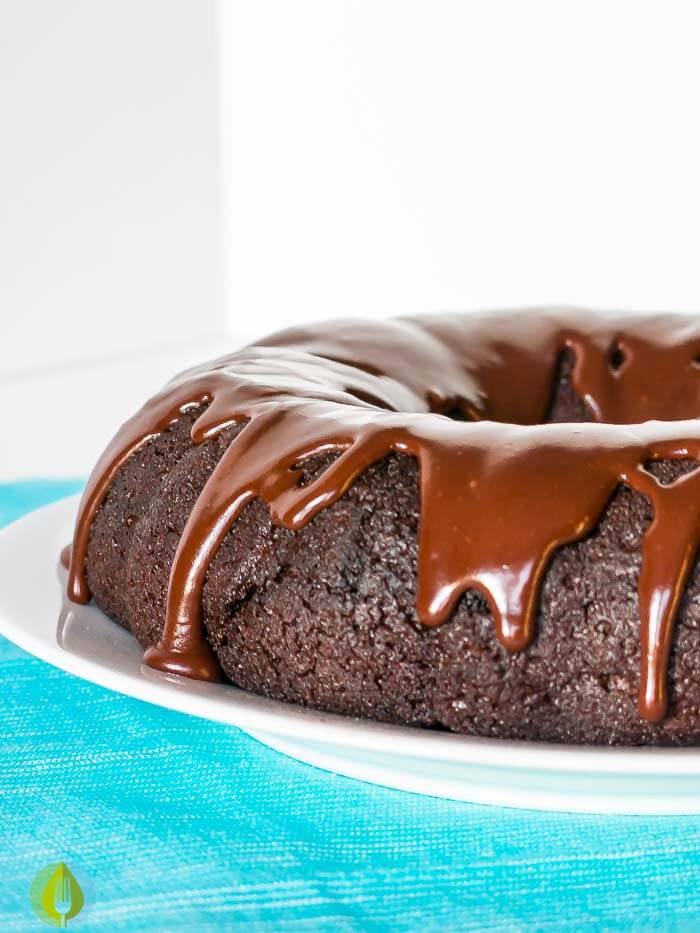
{"x":326,"y":616}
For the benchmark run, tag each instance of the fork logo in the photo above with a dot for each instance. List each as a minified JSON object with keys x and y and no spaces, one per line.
{"x":55,"y":895}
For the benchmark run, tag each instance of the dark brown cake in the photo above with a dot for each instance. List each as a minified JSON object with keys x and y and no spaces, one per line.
{"x":327,"y":613}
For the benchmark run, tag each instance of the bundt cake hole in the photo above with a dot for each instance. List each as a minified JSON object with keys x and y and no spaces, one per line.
{"x":456,"y":414}
{"x":565,"y":404}
{"x":453,"y":407}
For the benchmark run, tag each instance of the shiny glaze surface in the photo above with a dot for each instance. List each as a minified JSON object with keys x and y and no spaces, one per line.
{"x":500,"y":491}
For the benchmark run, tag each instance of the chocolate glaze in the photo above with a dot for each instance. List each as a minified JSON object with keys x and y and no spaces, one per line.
{"x":500,"y":491}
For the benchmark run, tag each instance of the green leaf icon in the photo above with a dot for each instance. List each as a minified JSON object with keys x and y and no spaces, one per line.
{"x":55,"y":895}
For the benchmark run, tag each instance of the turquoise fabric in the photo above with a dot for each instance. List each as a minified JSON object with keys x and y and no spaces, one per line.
{"x":176,"y":823}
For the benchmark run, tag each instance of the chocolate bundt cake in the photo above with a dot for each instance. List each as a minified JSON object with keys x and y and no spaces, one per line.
{"x":486,"y":524}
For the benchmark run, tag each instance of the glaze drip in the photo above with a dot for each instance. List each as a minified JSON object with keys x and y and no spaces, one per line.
{"x":500,"y":491}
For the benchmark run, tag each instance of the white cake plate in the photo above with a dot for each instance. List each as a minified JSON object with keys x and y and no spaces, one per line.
{"x":84,"y":642}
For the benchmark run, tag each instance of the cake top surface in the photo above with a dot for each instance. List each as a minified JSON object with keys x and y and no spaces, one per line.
{"x":465,"y":395}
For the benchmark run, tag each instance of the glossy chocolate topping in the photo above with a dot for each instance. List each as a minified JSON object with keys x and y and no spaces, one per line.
{"x":465,"y":395}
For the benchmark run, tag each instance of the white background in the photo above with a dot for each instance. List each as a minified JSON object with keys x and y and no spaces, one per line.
{"x":164,"y":170}
{"x":110,"y":266}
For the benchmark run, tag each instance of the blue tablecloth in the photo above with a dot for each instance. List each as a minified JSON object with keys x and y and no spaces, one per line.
{"x":177,"y":823}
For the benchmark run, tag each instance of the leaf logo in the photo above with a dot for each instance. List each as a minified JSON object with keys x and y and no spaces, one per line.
{"x":55,"y":895}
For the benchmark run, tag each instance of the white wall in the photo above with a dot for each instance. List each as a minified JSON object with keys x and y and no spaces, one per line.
{"x":110,"y":265}
{"x":109,"y":175}
{"x":389,"y":156}
{"x":380,"y":157}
